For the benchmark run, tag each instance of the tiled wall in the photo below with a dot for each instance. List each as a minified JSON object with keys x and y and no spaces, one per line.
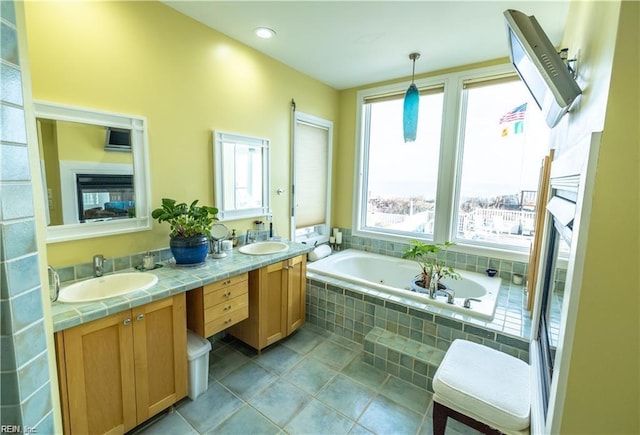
{"x":353,"y":314}
{"x":25,"y":394}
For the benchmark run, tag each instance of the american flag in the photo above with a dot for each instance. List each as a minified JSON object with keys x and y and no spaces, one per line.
{"x":516,"y":114}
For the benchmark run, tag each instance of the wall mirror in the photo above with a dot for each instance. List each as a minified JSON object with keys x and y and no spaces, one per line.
{"x":95,"y":171}
{"x":241,"y":175}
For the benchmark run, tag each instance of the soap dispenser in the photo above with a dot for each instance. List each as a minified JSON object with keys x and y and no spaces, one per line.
{"x":234,"y":238}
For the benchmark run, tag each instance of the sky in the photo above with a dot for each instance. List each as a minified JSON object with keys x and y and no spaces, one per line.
{"x":492,"y":164}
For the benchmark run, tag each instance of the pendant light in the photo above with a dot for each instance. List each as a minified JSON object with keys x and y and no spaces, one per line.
{"x":411,"y":105}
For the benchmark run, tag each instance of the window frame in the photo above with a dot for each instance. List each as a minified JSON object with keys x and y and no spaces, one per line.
{"x":450,"y":161}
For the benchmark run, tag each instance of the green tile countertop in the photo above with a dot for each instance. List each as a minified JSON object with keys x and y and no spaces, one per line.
{"x":172,"y":280}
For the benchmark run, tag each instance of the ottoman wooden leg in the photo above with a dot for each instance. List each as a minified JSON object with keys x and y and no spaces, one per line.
{"x":440,"y":415}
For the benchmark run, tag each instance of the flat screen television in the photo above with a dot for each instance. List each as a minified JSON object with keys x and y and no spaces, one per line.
{"x":118,"y":139}
{"x":540,"y":66}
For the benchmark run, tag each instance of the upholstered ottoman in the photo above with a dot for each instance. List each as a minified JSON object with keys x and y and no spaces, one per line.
{"x":483,"y":388}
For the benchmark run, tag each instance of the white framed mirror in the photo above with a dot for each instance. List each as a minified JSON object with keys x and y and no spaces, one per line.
{"x":241,"y":175}
{"x":95,"y":171}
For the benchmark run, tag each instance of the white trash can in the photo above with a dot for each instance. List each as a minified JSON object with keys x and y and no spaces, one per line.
{"x":198,"y":355}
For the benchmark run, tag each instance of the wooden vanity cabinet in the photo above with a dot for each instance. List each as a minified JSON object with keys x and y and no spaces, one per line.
{"x":217,"y":306}
{"x":277,"y":295}
{"x":118,"y":371}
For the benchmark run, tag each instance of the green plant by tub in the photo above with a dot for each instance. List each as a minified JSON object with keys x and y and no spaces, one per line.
{"x":186,"y":220}
{"x":426,"y":255}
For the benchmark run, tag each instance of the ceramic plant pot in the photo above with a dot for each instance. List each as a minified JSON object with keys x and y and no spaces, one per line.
{"x":189,"y":250}
{"x":419,"y":289}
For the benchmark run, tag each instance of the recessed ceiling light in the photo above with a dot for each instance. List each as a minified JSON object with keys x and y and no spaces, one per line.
{"x":264,"y":33}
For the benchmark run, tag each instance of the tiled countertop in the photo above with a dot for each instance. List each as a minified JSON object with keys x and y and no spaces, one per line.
{"x":171,"y":280}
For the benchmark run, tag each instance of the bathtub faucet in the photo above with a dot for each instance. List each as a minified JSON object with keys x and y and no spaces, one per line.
{"x":433,"y":286}
{"x":448,"y":293}
{"x":467,"y":302}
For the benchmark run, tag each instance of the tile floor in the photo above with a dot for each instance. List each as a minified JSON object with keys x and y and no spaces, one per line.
{"x":313,"y":382}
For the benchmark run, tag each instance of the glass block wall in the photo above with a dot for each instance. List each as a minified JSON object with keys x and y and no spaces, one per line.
{"x":25,"y":394}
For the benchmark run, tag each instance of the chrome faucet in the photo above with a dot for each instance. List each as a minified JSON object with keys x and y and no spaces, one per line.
{"x":448,"y":293}
{"x":251,"y":236}
{"x":98,"y":265}
{"x":433,"y":286}
{"x":53,"y":276}
{"x":467,"y":302}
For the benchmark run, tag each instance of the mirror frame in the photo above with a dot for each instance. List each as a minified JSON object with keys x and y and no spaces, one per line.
{"x":220,"y":137}
{"x":141,"y":180}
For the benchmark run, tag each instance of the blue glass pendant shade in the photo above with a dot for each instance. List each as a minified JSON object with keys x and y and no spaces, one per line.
{"x":410,"y":114}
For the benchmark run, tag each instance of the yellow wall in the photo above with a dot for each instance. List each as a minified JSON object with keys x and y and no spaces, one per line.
{"x":603,"y":389}
{"x":144,"y":58}
{"x":85,"y":142}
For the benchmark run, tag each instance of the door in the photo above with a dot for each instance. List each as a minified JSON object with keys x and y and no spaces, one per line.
{"x":100,"y":375}
{"x":297,"y":271}
{"x":159,"y":335}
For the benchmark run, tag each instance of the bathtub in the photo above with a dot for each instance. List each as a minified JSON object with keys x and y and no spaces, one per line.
{"x":393,"y":276}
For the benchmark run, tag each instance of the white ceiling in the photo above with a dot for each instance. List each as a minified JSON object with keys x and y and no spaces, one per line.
{"x":352,"y":43}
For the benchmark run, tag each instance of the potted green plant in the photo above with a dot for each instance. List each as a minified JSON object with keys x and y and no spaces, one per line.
{"x":426,"y":255}
{"x":190,"y":227}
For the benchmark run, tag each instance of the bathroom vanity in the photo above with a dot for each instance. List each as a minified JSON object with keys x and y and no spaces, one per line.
{"x":118,"y":371}
{"x":276,"y":303}
{"x":123,"y":360}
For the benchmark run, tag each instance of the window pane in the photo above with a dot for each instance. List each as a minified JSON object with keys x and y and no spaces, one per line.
{"x":502,"y":154}
{"x":401,"y":180}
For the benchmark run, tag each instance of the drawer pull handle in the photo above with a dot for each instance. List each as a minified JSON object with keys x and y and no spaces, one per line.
{"x":227,"y":294}
{"x":126,"y":322}
{"x":227,"y":308}
{"x":227,"y":321}
{"x":227,"y":282}
{"x":140,"y":317}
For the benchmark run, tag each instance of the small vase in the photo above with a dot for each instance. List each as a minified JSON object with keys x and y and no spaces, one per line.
{"x":189,"y":250}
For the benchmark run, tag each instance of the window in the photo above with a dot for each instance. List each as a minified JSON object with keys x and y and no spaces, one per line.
{"x":470,"y":176}
{"x":311,"y":170}
{"x":503,"y":140}
{"x":401,"y":177}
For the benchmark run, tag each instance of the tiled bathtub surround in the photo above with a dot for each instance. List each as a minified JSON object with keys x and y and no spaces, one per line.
{"x":385,"y":324}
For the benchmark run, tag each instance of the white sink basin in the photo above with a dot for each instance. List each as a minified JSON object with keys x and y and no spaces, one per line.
{"x":262,"y":248}
{"x":107,"y":286}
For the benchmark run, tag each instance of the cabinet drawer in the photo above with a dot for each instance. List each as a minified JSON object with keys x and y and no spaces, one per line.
{"x":224,"y":315}
{"x":225,"y":283}
{"x":224,"y":294}
{"x":221,"y":310}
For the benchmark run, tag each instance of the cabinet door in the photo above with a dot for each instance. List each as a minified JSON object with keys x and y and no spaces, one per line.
{"x":98,"y":358}
{"x":273,"y":303}
{"x":297,"y":284}
{"x":159,"y":335}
